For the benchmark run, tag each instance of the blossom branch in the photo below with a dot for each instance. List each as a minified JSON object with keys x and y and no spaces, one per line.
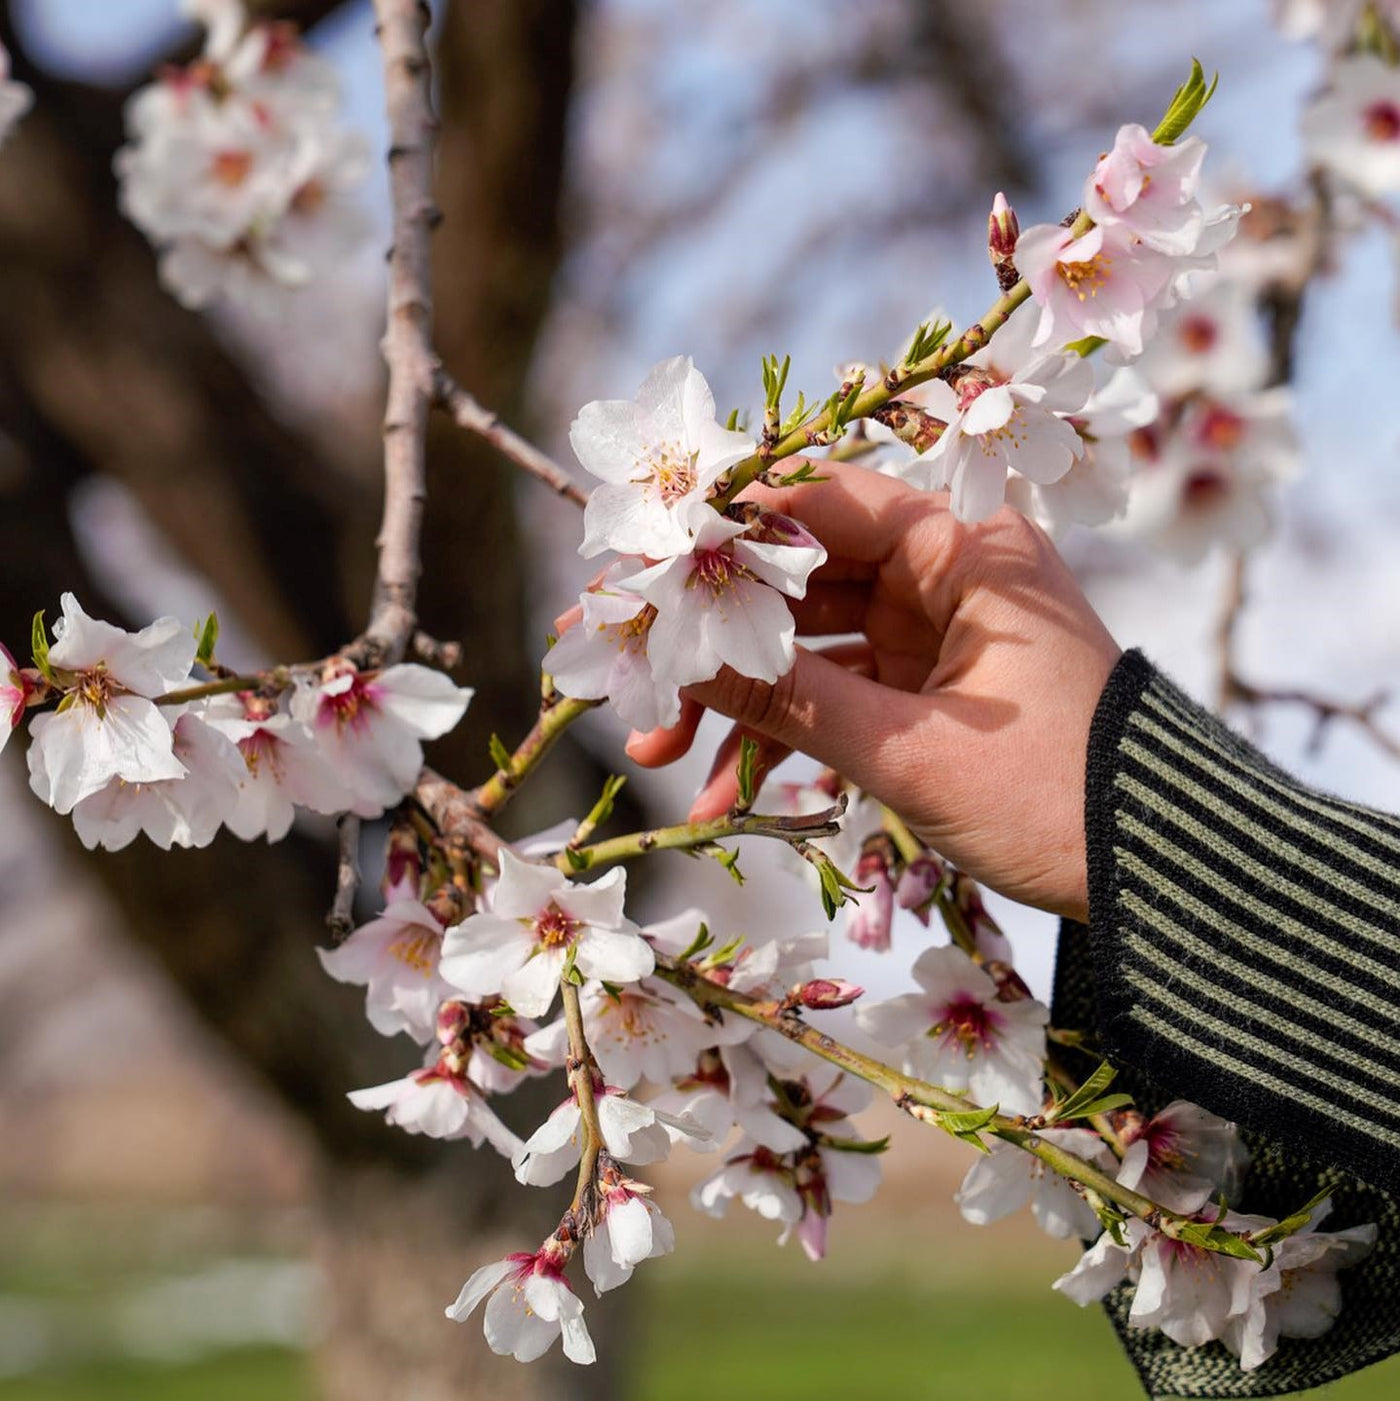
{"x":554,"y":719}
{"x":408,"y":352}
{"x":686,"y":836}
{"x":467,"y":413}
{"x":580,"y":1073}
{"x":931,"y":1103}
{"x":277,"y":679}
{"x":341,"y":918}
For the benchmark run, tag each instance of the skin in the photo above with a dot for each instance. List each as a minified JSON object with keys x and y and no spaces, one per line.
{"x":966,"y":704}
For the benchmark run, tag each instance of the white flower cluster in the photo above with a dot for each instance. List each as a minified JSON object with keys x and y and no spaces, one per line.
{"x":15,"y":98}
{"x":122,"y":759}
{"x":695,"y":589}
{"x":237,"y":169}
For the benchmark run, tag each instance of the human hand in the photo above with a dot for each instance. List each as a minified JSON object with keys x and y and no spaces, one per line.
{"x":965,"y":707}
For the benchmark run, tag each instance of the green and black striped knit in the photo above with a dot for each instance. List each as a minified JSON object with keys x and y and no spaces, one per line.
{"x":1244,"y":953}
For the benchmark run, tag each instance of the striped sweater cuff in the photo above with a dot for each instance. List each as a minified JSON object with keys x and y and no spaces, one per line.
{"x":1245,"y":929}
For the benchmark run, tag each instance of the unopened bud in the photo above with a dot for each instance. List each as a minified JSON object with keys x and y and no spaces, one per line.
{"x":917,"y":885}
{"x":910,"y":424}
{"x":453,"y":1019}
{"x":403,"y":865}
{"x":869,"y":926}
{"x":822,"y":994}
{"x":448,"y":904}
{"x":1003,"y":230}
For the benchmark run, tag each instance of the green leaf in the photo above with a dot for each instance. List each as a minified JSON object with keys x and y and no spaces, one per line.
{"x":800,"y":414}
{"x":732,"y":422}
{"x":805,"y":473}
{"x":578,"y":860}
{"x":726,"y":952}
{"x":1089,"y":1098}
{"x":728,"y":857}
{"x":926,"y":339}
{"x":40,"y":641}
{"x":748,"y":773}
{"x":702,"y":940}
{"x":834,"y":882}
{"x":500,"y":755}
{"x":1086,"y":345}
{"x":775,"y":378}
{"x":1185,"y":105}
{"x":967,"y":1121}
{"x":208,"y":638}
{"x":856,"y":1145}
{"x":508,"y":1056}
{"x":1291,"y":1225}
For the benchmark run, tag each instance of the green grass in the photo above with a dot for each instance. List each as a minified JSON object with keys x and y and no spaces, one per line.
{"x":247,"y":1374}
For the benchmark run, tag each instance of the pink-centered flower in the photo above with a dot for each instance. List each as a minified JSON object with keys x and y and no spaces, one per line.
{"x":538,"y":920}
{"x":106,"y":725}
{"x":395,"y":958}
{"x":1009,"y":418}
{"x":658,"y":455}
{"x":528,"y":1305}
{"x":956,"y":1033}
{"x":370,"y":725}
{"x":283,"y":767}
{"x":441,"y":1101}
{"x":1212,"y":340}
{"x":14,"y":695}
{"x":1101,"y":283}
{"x":630,"y":1230}
{"x":605,"y":654}
{"x":1353,"y":129}
{"x":1183,"y":1157}
{"x":183,"y":812}
{"x":721,"y":604}
{"x":1149,"y":190}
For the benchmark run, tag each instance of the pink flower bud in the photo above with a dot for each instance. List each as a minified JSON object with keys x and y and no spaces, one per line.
{"x":822,"y":994}
{"x":869,"y":926}
{"x":1003,"y":231}
{"x":916,"y":887}
{"x":453,"y":1020}
{"x":403,"y":866}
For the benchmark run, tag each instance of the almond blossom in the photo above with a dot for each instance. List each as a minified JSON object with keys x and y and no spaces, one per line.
{"x":1149,"y":190}
{"x":441,"y":1101}
{"x":1007,"y":1179}
{"x":869,"y":924}
{"x":106,"y":725}
{"x":727,"y":1086}
{"x":395,"y":958}
{"x":658,"y":454}
{"x":761,"y":1179}
{"x":605,"y":655}
{"x":528,"y":1305}
{"x":283,"y":767}
{"x":370,"y":725}
{"x":1099,"y":283}
{"x":955,"y":1032}
{"x":1212,"y":341}
{"x":631,"y":1229}
{"x":15,"y":98}
{"x":721,"y":602}
{"x":1008,"y":418}
{"x":538,"y":921}
{"x":183,"y":812}
{"x":1353,"y":129}
{"x":1183,"y":1157}
{"x":1299,"y":1294}
{"x":632,"y":1133}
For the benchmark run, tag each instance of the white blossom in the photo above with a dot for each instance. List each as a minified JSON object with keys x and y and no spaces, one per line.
{"x":658,"y":455}
{"x":631,"y":1229}
{"x":1149,"y":190}
{"x":395,"y":958}
{"x":529,"y":1305}
{"x":1008,"y":1178}
{"x":1212,"y":340}
{"x":370,"y":725}
{"x":1354,"y":127}
{"x":1183,"y":1157}
{"x":538,"y":919}
{"x":956,"y":1033}
{"x":632,"y":1133}
{"x":721,"y":603}
{"x":442,"y":1102}
{"x":184,"y":812}
{"x":106,"y":725}
{"x":605,"y":655}
{"x":759,"y":1178}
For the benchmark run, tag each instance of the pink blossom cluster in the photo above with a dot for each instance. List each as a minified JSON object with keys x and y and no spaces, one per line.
{"x":695,"y":588}
{"x":237,"y":169}
{"x":125,"y":755}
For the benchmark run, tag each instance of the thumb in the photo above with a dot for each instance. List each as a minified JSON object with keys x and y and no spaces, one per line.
{"x":867,"y":732}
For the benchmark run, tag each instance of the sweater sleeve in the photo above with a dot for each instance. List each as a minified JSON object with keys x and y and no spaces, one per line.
{"x":1245,"y":929}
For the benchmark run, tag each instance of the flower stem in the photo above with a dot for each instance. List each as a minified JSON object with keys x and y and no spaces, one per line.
{"x":276,"y":679}
{"x":553,"y":720}
{"x":686,"y":836}
{"x":581,"y":1082}
{"x":917,"y":1098}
